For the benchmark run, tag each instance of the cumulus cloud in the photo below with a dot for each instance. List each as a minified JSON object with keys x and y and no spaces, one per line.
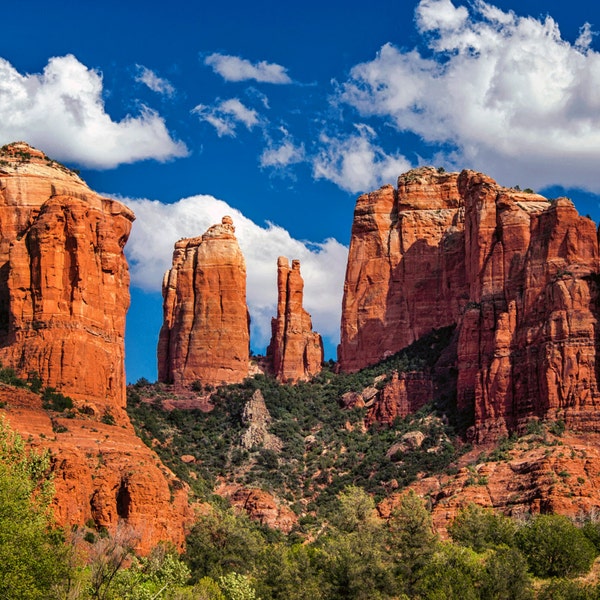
{"x":495,"y":91}
{"x":61,"y":111}
{"x":234,"y":68}
{"x":355,"y":163}
{"x":323,"y":264}
{"x":157,"y":84}
{"x":226,"y":115}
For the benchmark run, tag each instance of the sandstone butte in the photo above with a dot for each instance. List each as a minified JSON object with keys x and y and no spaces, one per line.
{"x":205,"y":334}
{"x":64,"y":292}
{"x":517,"y":274}
{"x":295,"y":351}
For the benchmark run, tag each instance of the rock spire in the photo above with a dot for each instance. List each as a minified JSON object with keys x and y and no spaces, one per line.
{"x":205,"y":333}
{"x":296,"y":352}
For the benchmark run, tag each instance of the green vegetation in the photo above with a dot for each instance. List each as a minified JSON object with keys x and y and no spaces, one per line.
{"x":325,"y":447}
{"x":32,"y":553}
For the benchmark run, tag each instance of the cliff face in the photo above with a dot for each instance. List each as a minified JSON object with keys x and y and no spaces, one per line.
{"x":405,"y":272}
{"x":296,"y":352}
{"x":64,"y":292}
{"x":515,"y":272}
{"x":527,"y":341}
{"x":205,"y":333}
{"x":64,"y":280}
{"x":102,"y":473}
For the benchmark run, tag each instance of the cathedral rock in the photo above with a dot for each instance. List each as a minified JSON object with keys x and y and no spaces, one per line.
{"x":206,"y":328}
{"x":295,"y":351}
{"x":516,"y":273}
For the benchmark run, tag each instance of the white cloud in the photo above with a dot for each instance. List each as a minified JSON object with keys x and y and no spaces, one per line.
{"x":61,"y":110}
{"x":154,"y":82}
{"x":497,"y":92}
{"x":234,"y":68}
{"x":282,"y":154}
{"x":225,"y":116}
{"x":355,"y":163}
{"x":323,"y":264}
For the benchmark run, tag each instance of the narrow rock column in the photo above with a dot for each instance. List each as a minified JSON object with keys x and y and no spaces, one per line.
{"x":296,"y":352}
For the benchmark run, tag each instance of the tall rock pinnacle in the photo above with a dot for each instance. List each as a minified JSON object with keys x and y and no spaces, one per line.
{"x":205,"y":333}
{"x":295,"y":350}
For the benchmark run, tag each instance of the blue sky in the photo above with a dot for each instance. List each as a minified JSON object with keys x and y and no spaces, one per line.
{"x":280,"y":114}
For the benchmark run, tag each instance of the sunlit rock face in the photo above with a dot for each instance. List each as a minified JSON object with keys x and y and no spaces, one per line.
{"x":64,"y":279}
{"x":295,"y":351}
{"x":64,"y":293}
{"x":206,"y":331}
{"x":516,"y":273}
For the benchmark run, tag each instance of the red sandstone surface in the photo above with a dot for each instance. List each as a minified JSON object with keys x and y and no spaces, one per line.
{"x":205,"y":333}
{"x":64,"y":293}
{"x":64,"y":280}
{"x":102,"y":473}
{"x":541,"y":474}
{"x":517,"y":273}
{"x":295,"y":350}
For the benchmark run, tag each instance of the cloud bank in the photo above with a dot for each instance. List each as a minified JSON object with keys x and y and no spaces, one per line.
{"x":234,"y":68}
{"x":61,"y":110}
{"x":495,"y":91}
{"x":323,"y":264}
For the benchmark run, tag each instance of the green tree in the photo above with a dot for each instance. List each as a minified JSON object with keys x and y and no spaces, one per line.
{"x":452,"y":572}
{"x":411,"y":538}
{"x":555,"y":547}
{"x":293,"y":573}
{"x":505,"y":576}
{"x":481,"y":528}
{"x":222,"y":542}
{"x":357,"y":560}
{"x":33,"y":556}
{"x":564,"y":589}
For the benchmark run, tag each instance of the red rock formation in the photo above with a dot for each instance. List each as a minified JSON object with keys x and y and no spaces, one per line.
{"x":260,"y":506}
{"x":538,"y":476}
{"x":516,"y":273}
{"x":205,"y":333}
{"x":405,"y":272}
{"x":64,"y":280}
{"x":295,"y":350}
{"x":64,"y":292}
{"x":402,"y":395}
{"x":527,"y":343}
{"x":102,"y":473}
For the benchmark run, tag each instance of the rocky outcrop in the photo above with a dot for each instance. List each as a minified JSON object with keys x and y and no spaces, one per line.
{"x":259,"y":505}
{"x":540,"y":474}
{"x":205,"y":333}
{"x":295,"y":350}
{"x":256,"y":418}
{"x":405,"y":273}
{"x":404,"y":394}
{"x":64,"y":280}
{"x":103,"y":474}
{"x":518,"y":275}
{"x":64,"y":292}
